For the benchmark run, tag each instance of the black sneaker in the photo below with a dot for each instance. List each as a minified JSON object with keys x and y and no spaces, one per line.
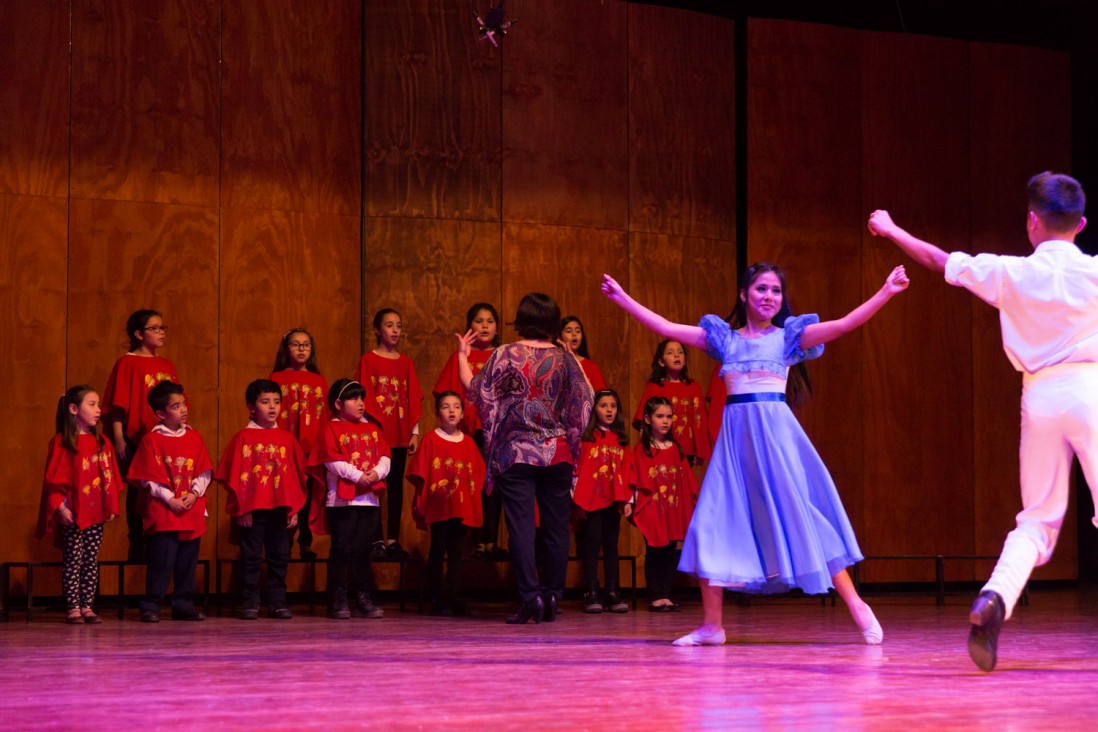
{"x":249,"y":613}
{"x":281,"y":613}
{"x":396,"y":552}
{"x":591,"y":603}
{"x":148,"y":616}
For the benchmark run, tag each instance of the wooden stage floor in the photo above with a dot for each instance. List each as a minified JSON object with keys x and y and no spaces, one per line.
{"x":789,"y":664}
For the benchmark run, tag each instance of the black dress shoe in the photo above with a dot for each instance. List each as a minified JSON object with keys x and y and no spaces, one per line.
{"x":307,"y":553}
{"x":148,"y":616}
{"x":249,"y":613}
{"x":530,"y":609}
{"x":281,"y":613}
{"x":552,"y":608}
{"x":986,"y":616}
{"x":193,"y":615}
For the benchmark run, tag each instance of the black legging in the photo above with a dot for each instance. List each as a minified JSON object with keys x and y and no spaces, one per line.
{"x":446,"y":540}
{"x":600,"y":530}
{"x":80,"y":564}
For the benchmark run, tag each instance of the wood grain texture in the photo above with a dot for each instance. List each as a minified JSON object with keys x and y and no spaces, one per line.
{"x":145,"y":100}
{"x":788,"y":664}
{"x":124,"y":256}
{"x":32,"y":339}
{"x":567,"y":264}
{"x":432,"y":96}
{"x":1012,"y":139}
{"x":805,"y":215}
{"x":681,"y":123}
{"x":918,"y":410}
{"x":281,"y":270}
{"x":291,"y":111}
{"x":34,"y":97}
{"x":565,"y":116}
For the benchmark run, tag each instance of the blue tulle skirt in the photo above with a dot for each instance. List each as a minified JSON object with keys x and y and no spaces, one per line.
{"x":769,"y":518}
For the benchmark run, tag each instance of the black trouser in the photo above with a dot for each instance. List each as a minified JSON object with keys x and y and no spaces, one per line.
{"x":351,"y":528}
{"x":394,"y":495}
{"x":660,"y":563}
{"x":520,"y":488}
{"x":135,"y":523}
{"x":267,"y":532}
{"x":170,"y":557}
{"x":600,"y":529}
{"x":446,"y":540}
{"x":304,"y":531}
{"x":491,"y":506}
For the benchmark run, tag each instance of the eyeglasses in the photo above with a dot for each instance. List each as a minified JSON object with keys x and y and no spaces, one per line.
{"x":300,"y":346}
{"x":157,"y":328}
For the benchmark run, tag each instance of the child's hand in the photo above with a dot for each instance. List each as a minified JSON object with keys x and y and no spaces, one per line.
{"x":897,"y":281}
{"x":880,"y":224}
{"x":413,"y":444}
{"x":121,"y":449}
{"x":245,"y":521}
{"x":368,"y":479}
{"x":465,"y":342}
{"x":291,"y":522}
{"x":627,"y":510}
{"x":176,"y":505}
{"x":611,"y":288}
{"x":189,"y":499}
{"x":64,"y":515}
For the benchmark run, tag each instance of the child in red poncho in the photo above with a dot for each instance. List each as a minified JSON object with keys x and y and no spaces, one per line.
{"x":670,"y":379}
{"x":602,"y":493}
{"x":171,"y":470}
{"x":483,"y":320}
{"x":79,"y":494}
{"x":125,"y":401}
{"x":263,"y":471}
{"x":350,"y":461}
{"x":448,"y":474}
{"x":394,"y":399}
{"x":665,"y":492}
{"x":304,"y":407}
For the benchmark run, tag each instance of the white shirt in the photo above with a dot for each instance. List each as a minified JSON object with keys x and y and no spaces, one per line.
{"x":1047,"y":302}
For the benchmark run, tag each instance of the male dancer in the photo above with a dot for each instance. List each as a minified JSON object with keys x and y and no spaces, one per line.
{"x":1048,"y":311}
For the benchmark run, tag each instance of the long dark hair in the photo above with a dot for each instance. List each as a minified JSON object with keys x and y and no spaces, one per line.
{"x":798,"y":385}
{"x":282,"y":360}
{"x":472,"y":313}
{"x":65,"y":421}
{"x":137,"y":321}
{"x":568,"y":320}
{"x":659,"y":372}
{"x":647,"y":441}
{"x":617,"y":426}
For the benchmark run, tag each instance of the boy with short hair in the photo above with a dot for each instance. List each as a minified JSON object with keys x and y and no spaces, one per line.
{"x":1048,"y":312}
{"x":263,"y":468}
{"x":172,"y":470}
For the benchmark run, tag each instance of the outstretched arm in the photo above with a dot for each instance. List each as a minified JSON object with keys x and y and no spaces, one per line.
{"x":688,"y":335}
{"x":923,"y":252}
{"x":828,"y":331}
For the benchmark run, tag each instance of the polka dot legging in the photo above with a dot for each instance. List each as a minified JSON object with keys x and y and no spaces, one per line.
{"x":80,"y":565}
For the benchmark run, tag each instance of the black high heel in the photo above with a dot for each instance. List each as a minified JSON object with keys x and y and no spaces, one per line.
{"x":530,"y":609}
{"x":551,"y":607}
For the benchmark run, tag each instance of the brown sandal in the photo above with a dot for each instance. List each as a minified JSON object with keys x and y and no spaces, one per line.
{"x":90,"y":617}
{"x":75,"y":617}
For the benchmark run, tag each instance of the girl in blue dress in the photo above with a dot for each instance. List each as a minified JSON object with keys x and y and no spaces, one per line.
{"x":769,"y":517}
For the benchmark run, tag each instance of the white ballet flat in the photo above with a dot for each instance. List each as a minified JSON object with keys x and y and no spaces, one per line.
{"x":873,"y":634}
{"x":699,"y":638}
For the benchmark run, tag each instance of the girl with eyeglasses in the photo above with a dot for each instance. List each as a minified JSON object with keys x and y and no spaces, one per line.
{"x":125,"y":401}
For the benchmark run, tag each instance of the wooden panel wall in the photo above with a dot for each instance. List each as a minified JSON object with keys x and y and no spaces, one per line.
{"x":1012,"y":140}
{"x":804,"y":213}
{"x":34,"y":110}
{"x":915,"y":163}
{"x":232,"y":166}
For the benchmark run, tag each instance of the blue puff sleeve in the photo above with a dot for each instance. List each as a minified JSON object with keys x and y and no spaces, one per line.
{"x":718,"y":337}
{"x":794,"y":328}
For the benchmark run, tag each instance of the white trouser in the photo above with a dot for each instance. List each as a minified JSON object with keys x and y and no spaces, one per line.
{"x":1059,"y":418}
